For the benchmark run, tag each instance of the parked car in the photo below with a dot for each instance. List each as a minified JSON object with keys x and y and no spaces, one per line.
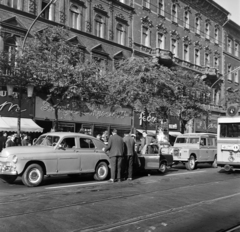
{"x":196,"y":148}
{"x":156,"y":157}
{"x":55,"y":153}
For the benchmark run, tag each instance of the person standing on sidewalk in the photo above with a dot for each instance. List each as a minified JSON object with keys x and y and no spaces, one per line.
{"x":130,"y":149}
{"x":116,"y":150}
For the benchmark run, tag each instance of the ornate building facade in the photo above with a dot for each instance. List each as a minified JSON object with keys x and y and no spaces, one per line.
{"x":187,"y":33}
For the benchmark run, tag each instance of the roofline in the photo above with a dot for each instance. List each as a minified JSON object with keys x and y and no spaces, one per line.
{"x":218,"y":6}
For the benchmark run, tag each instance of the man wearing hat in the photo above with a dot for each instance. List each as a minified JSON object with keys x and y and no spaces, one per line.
{"x":116,"y":149}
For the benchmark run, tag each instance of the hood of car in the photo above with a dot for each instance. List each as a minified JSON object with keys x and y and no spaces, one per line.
{"x":25,"y":150}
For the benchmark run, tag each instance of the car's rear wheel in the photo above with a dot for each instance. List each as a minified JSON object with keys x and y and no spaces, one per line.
{"x":101,"y":172}
{"x":162,"y":167}
{"x":191,"y":164}
{"x":9,"y":179}
{"x":33,"y":175}
{"x":214,"y":163}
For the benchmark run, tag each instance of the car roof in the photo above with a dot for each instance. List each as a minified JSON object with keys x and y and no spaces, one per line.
{"x":68,"y":134}
{"x":196,"y":134}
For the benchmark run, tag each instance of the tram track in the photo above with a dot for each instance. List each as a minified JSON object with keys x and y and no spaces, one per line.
{"x":81,"y":203}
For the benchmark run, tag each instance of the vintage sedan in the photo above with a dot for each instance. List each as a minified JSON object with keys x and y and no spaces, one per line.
{"x":156,"y":157}
{"x":55,"y":153}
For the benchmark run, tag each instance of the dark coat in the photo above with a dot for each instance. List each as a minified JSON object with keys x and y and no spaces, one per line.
{"x":25,"y":142}
{"x":2,"y":143}
{"x":129,"y":145}
{"x":115,"y":146}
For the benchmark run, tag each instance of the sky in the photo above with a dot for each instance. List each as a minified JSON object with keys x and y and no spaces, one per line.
{"x":233,"y":7}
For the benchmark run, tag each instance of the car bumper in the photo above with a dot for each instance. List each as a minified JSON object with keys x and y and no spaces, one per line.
{"x":6,"y":169}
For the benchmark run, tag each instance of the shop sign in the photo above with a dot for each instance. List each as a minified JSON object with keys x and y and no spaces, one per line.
{"x":143,"y":120}
{"x":45,"y":110}
{"x":9,"y":105}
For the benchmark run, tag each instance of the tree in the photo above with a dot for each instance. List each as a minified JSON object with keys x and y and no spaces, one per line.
{"x":61,"y":73}
{"x":191,"y":97}
{"x":15,"y":70}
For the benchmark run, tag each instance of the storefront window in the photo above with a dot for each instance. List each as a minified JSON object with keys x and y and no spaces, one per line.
{"x":66,"y":127}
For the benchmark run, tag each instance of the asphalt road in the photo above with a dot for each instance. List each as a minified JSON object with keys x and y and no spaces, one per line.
{"x":206,"y":199}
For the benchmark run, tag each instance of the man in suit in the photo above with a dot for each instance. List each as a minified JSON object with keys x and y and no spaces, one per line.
{"x":10,"y":142}
{"x":116,"y":150}
{"x":129,"y":150}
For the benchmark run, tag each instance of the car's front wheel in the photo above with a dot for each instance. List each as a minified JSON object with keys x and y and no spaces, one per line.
{"x":102,"y":171}
{"x":9,"y":179}
{"x":33,"y":175}
{"x":191,"y":164}
{"x":162,"y":167}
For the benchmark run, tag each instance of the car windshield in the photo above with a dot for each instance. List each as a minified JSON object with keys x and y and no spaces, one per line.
{"x":47,"y":140}
{"x":181,"y":140}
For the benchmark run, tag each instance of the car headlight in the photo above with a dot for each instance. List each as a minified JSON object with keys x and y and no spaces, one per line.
{"x":15,"y":159}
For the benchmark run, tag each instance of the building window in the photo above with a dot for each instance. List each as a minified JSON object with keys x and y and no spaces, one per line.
{"x":145,"y":36}
{"x":197,"y":25}
{"x":120,"y":34}
{"x":99,"y":28}
{"x":207,"y":30}
{"x":161,"y":7}
{"x":229,"y":70}
{"x":174,"y":47}
{"x":10,"y":49}
{"x":146,"y":3}
{"x":229,"y":45}
{"x":160,"y":41}
{"x":49,"y":12}
{"x":186,"y":52}
{"x":207,"y":60}
{"x":174,"y":13}
{"x":14,"y":4}
{"x":197,"y":57}
{"x":236,"y":77}
{"x":186,"y":19}
{"x":216,"y":35}
{"x":236,"y":49}
{"x":75,"y":17}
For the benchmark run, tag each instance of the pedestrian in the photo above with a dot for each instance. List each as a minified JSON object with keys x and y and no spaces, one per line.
{"x":25,"y":141}
{"x":116,"y":151}
{"x":4,"y":139}
{"x":99,"y":137}
{"x":129,"y":151}
{"x":11,"y":141}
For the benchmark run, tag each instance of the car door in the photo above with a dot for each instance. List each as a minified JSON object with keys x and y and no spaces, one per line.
{"x":89,"y":154}
{"x":212,"y":148}
{"x":68,"y":158}
{"x":152,"y":157}
{"x":203,"y":151}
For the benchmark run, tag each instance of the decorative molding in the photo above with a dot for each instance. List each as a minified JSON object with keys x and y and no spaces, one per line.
{"x":100,"y":8}
{"x":146,"y":9}
{"x":176,"y":2}
{"x":198,"y":15}
{"x":161,"y":28}
{"x":146,"y":21}
{"x":208,"y":21}
{"x":174,"y":34}
{"x":187,"y":40}
{"x":217,"y":54}
{"x":188,"y":9}
{"x":121,"y":18}
{"x":32,"y":6}
{"x":62,"y":17}
{"x":130,"y":41}
{"x":207,"y":49}
{"x":217,"y":26}
{"x":111,"y":35}
{"x":88,"y":26}
{"x":197,"y":45}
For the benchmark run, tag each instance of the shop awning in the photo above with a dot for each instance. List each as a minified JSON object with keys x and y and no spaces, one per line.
{"x":175,"y":133}
{"x":11,"y":124}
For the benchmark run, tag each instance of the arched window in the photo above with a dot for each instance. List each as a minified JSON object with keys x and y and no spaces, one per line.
{"x":161,"y":7}
{"x":120,"y":34}
{"x":10,"y":48}
{"x":99,"y":26}
{"x":186,"y":19}
{"x":160,"y":40}
{"x":197,"y":25}
{"x":75,"y":17}
{"x":14,"y":4}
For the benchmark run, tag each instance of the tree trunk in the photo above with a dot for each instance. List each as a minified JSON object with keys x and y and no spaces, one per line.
{"x":55,"y":126}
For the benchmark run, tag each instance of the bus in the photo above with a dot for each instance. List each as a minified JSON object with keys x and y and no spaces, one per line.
{"x":228,"y":143}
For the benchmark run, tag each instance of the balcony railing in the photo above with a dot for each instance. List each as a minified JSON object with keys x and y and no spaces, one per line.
{"x":163,"y":54}
{"x":211,"y":71}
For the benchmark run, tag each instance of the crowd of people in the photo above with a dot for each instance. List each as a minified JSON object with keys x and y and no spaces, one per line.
{"x":11,"y":140}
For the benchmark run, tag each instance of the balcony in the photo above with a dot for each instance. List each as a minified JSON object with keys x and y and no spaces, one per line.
{"x":163,"y":55}
{"x":211,"y":71}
